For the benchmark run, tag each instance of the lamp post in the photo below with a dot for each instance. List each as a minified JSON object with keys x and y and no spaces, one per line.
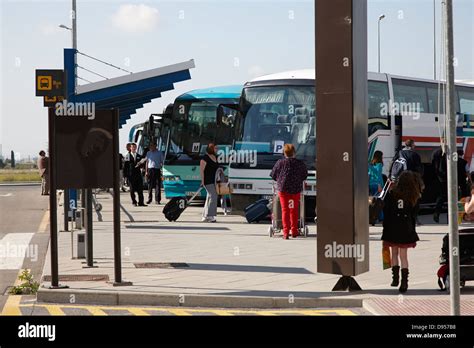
{"x":381,"y":17}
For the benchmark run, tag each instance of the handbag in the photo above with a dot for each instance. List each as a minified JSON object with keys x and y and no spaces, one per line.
{"x":223,"y":188}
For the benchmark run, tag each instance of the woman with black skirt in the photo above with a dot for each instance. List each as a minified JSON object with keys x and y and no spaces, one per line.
{"x":399,"y":225}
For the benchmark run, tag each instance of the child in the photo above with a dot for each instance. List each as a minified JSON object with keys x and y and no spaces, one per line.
{"x":399,"y":225}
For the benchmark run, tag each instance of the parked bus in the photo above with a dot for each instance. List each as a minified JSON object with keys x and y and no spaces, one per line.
{"x":155,"y":129}
{"x":193,"y":126}
{"x":280,"y":108}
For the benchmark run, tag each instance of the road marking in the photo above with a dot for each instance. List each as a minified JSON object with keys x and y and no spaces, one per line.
{"x":54,"y":310}
{"x":94,"y":310}
{"x":14,"y":247}
{"x":44,"y":222}
{"x":179,"y":312}
{"x":12,"y":306}
{"x":143,"y":311}
{"x":138,"y":312}
{"x":7,"y":195}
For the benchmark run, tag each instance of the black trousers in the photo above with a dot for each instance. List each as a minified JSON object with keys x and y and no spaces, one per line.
{"x":442,"y":197}
{"x":154,"y":182}
{"x":136,"y":186}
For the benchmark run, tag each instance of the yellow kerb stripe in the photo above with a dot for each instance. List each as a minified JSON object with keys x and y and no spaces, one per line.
{"x":12,"y":305}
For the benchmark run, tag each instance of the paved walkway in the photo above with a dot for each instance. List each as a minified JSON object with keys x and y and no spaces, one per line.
{"x":232,"y":259}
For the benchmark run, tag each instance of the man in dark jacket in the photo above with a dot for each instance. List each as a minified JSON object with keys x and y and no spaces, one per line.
{"x":463,"y":176}
{"x":441,"y":171}
{"x":413,"y":159}
{"x":133,"y":172}
{"x":412,"y":162}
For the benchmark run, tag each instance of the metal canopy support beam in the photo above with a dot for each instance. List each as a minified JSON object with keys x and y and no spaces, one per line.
{"x":341,"y":93}
{"x":152,"y":93}
{"x":124,"y":90}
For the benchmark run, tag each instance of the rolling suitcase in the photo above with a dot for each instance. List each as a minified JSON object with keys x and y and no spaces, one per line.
{"x":177,"y":205}
{"x":257,"y":211}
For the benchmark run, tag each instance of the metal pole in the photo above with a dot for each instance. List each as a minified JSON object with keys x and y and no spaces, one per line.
{"x":74,"y":40}
{"x":452,"y":167}
{"x":434,"y":39}
{"x":53,"y":216}
{"x":379,"y":44}
{"x":66,"y":210}
{"x":89,"y":224}
{"x":116,"y":204}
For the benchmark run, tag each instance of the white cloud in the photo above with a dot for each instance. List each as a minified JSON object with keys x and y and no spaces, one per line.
{"x":256,"y":71}
{"x":135,"y":18}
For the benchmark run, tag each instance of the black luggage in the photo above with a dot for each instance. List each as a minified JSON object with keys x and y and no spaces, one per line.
{"x":376,"y":204}
{"x":466,"y":259}
{"x":257,"y":211}
{"x":177,"y":205}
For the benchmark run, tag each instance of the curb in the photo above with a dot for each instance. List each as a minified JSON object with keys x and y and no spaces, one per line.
{"x":13,"y":183}
{"x":66,"y":296}
{"x":371,"y":309}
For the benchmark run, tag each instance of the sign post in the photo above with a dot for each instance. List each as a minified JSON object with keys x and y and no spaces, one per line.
{"x":53,"y":216}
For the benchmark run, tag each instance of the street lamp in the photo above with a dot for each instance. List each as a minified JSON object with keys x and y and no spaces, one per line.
{"x":381,"y":17}
{"x":62,"y":26}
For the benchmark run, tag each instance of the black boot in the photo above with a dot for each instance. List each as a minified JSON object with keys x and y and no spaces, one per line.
{"x":404,"y":282}
{"x":395,"y":276}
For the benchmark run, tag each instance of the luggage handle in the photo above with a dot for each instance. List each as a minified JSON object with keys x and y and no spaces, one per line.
{"x":385,"y":189}
{"x":195,"y":195}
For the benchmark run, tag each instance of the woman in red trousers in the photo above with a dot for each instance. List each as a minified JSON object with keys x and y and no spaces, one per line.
{"x":289,"y":173}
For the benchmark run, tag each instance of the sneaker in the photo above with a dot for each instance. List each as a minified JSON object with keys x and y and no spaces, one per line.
{"x":204,"y":219}
{"x":212,"y":219}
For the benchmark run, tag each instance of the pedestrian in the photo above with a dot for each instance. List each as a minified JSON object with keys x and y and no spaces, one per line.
{"x":154,"y":163}
{"x":375,"y":173}
{"x":399,"y":225}
{"x":408,"y":159}
{"x":133,"y":173}
{"x":208,"y":170}
{"x":463,"y":176}
{"x":440,"y":167}
{"x":290,"y":174}
{"x":43,"y":168}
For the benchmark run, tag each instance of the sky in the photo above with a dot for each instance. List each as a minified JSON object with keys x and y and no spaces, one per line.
{"x":231,"y":42}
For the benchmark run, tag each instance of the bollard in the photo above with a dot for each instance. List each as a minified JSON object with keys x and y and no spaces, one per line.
{"x":81,"y":245}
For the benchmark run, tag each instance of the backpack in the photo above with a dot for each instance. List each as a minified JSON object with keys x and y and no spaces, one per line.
{"x":398,"y":167}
